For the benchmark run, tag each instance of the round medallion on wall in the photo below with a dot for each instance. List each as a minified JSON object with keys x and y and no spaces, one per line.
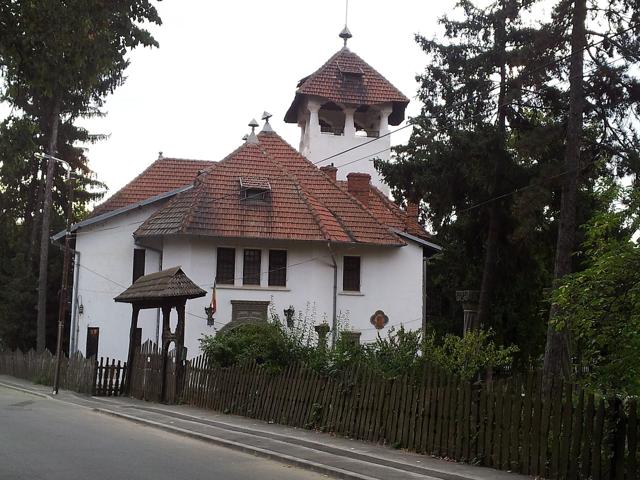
{"x":379,"y":320}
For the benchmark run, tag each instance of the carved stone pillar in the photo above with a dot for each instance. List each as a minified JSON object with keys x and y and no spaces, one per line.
{"x":469,"y":300}
{"x":322,"y":330}
{"x":313,"y":128}
{"x":383,"y":127}
{"x":349,"y":124}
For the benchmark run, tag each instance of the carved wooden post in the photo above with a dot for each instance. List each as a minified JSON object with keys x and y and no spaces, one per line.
{"x":166,"y":340}
{"x":180,"y":356}
{"x":131,"y":355}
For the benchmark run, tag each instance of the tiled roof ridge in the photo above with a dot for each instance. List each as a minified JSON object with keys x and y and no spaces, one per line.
{"x":196,"y":193}
{"x":392,"y":207}
{"x":199,"y":189}
{"x":335,"y":57}
{"x":303,"y":194}
{"x":181,"y":159}
{"x":339,"y":186}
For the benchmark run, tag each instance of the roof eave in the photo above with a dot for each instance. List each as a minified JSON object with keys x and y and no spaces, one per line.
{"x":421,"y":241}
{"x":119,"y":211}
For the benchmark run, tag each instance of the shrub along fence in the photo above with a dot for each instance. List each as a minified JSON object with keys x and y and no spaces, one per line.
{"x":509,"y":424}
{"x":76,"y":373}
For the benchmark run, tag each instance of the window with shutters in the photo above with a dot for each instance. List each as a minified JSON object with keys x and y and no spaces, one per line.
{"x":226,"y":266}
{"x":138,"y":263}
{"x":351,"y":274}
{"x":277,"y":268}
{"x":251,"y":266}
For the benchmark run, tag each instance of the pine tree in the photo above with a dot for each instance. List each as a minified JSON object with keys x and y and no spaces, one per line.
{"x":59,"y":62}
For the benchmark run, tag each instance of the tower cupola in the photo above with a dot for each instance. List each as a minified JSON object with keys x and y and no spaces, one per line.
{"x":344,"y":104}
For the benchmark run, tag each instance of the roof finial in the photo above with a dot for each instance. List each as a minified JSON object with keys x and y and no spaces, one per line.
{"x":160,"y":156}
{"x":252,"y":138}
{"x":267,"y":126}
{"x":345,"y":34}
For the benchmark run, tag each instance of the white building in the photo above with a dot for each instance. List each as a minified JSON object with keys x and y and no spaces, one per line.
{"x":266,"y":223}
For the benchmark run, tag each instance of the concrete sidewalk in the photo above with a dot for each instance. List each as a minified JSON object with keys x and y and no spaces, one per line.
{"x":334,"y":456}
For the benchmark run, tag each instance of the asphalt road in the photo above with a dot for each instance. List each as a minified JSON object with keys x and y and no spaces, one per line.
{"x":48,"y":439}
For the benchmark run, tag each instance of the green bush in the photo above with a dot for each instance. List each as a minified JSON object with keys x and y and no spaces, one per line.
{"x":265,"y":343}
{"x":400,"y":352}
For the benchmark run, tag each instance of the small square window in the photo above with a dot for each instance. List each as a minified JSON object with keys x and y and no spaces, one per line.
{"x":351,"y":274}
{"x":226,"y":266}
{"x":277,"y":268}
{"x":251,"y":267}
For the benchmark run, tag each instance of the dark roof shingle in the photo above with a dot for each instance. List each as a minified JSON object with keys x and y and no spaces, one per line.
{"x":171,"y":283}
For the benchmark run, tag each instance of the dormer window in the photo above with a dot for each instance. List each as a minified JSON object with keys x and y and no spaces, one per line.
{"x":255,"y":189}
{"x":352,"y":71}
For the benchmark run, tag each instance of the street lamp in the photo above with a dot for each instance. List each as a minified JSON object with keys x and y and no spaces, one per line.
{"x":62,"y":305}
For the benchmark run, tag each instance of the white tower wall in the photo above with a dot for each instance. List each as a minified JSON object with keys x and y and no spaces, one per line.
{"x":325,"y":133}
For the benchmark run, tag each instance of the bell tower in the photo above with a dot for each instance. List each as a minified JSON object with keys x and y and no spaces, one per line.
{"x":346,"y":106}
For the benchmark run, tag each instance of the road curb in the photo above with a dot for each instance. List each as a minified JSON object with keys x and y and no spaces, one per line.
{"x":261,"y":452}
{"x":25,"y":390}
{"x":353,"y":455}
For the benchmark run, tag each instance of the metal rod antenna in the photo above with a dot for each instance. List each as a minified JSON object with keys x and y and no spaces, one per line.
{"x":346,"y":12}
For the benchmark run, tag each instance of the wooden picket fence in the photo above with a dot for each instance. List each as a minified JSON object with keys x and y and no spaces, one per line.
{"x":76,"y":373}
{"x":109,"y":378}
{"x":509,"y":424}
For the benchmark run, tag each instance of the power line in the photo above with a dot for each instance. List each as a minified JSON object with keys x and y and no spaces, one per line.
{"x":529,"y":73}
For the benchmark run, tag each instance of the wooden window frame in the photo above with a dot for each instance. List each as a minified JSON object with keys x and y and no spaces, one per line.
{"x":251,"y":273}
{"x":351,"y":284}
{"x":277,"y":273}
{"x":225,"y":273}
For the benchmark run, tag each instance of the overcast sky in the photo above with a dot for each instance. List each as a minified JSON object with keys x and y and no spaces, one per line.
{"x":221,"y":63}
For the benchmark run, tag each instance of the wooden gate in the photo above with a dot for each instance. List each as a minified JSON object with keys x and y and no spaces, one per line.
{"x":109,"y":378}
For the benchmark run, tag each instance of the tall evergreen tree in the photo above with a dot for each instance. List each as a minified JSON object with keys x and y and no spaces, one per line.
{"x":59,"y":60}
{"x":460,"y":159}
{"x":603,"y":94}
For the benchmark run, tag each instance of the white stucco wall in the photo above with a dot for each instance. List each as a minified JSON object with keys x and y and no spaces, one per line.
{"x":391,"y":280}
{"x":105,"y":270}
{"x":318,"y":146}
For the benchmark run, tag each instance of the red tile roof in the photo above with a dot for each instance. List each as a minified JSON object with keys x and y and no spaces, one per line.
{"x":339,"y":80}
{"x":303,"y":203}
{"x":163,"y":175}
{"x":391,"y":214}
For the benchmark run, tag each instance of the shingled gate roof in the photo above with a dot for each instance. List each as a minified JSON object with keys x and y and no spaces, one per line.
{"x":339,"y":80}
{"x":163,"y":175}
{"x":166,"y":285}
{"x":303,"y":203}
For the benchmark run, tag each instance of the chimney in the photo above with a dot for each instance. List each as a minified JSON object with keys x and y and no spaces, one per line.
{"x":358,"y":185}
{"x":330,"y":171}
{"x":413,"y":209}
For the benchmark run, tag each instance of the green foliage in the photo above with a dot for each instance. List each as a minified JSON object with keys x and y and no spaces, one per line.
{"x":401,"y":352}
{"x":601,"y":304}
{"x":469,"y":355}
{"x":58,"y":62}
{"x":266,"y":344}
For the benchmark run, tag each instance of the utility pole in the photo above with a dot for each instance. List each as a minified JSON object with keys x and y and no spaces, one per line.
{"x":62,"y":305}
